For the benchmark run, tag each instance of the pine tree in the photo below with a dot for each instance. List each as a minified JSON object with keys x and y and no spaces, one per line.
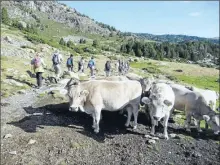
{"x":5,"y":18}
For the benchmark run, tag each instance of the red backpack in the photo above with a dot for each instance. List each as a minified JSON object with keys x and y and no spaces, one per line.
{"x":37,"y":62}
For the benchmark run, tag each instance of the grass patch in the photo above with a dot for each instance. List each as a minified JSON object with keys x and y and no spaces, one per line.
{"x":200,"y":82}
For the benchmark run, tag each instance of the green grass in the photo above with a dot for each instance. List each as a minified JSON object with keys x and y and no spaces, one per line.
{"x":180,"y":120}
{"x":197,"y":81}
{"x":200,"y":82}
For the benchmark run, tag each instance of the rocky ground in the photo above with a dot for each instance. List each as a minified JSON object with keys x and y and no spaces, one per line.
{"x":52,"y":135}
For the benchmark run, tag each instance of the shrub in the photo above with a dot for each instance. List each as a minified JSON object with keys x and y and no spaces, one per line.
{"x":62,"y":42}
{"x":5,"y":18}
{"x":95,"y":43}
{"x":70,"y":44}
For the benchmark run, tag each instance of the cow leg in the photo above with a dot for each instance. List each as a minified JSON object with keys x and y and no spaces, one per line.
{"x":198,"y":126}
{"x":171,"y":116}
{"x":135,"y":113}
{"x":165,"y":123}
{"x":129,"y":110}
{"x":121,"y":112}
{"x":153,"y":123}
{"x":93,"y":124}
{"x":187,"y":122}
{"x":97,"y":115}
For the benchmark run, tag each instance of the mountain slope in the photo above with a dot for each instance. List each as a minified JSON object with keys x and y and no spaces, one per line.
{"x":32,"y":11}
{"x":174,"y":38}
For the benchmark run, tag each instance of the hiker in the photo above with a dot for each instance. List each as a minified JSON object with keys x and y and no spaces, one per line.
{"x":126,"y":67}
{"x":37,"y":65}
{"x":120,"y":67}
{"x":107,"y":68}
{"x":116,"y":66}
{"x":57,"y":59}
{"x":69,"y":63}
{"x":81,"y":65}
{"x":91,"y":66}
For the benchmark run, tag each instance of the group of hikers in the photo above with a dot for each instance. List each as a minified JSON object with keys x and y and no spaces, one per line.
{"x":121,"y":66}
{"x":38,"y":66}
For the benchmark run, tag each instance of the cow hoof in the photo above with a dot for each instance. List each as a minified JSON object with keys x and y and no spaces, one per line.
{"x":216,"y":133}
{"x":166,"y":137}
{"x":188,"y":130}
{"x":96,"y":130}
{"x":200,"y":130}
{"x":135,"y":127}
{"x":126,"y":125}
{"x":152,"y":134}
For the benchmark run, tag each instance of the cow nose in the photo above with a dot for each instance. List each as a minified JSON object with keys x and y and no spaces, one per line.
{"x":156,"y":118}
{"x":73,"y":109}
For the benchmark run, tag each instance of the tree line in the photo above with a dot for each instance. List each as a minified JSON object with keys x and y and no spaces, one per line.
{"x":190,"y":50}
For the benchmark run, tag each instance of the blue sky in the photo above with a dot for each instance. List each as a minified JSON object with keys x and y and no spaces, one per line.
{"x":197,"y":18}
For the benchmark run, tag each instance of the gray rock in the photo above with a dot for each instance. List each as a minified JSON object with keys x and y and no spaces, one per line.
{"x":31,"y":141}
{"x":22,"y":91}
{"x":154,"y":138}
{"x":147,"y":136}
{"x":172,"y":135}
{"x":23,"y":24}
{"x":8,"y":39}
{"x":13,"y":153}
{"x":151,"y":141}
{"x":196,"y":154}
{"x":7,"y":136}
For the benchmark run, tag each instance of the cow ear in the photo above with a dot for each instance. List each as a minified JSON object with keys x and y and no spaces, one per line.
{"x":84,"y":92}
{"x":206,"y":117}
{"x":145,"y":100}
{"x":168,"y":103}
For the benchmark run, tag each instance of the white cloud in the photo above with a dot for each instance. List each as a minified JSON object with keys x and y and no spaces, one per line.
{"x":195,"y":14}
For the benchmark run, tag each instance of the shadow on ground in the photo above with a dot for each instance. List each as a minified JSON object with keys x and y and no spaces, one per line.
{"x":112,"y":123}
{"x":21,"y":81}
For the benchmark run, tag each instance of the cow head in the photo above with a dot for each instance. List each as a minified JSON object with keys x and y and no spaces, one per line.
{"x":146,"y":83}
{"x":157,"y":107}
{"x":213,"y":121}
{"x":77,"y":97}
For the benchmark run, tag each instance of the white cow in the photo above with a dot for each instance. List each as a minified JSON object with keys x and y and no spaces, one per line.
{"x":209,"y":96}
{"x":96,"y":95}
{"x":194,"y":105}
{"x":160,"y":103}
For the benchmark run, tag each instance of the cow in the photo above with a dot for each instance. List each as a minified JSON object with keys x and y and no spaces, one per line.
{"x":94,"y":96}
{"x":194,"y":105}
{"x":209,"y":96}
{"x":160,"y":102}
{"x":114,"y":78}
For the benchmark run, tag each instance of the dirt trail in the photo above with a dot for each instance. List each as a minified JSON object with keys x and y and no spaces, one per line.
{"x":64,"y":137}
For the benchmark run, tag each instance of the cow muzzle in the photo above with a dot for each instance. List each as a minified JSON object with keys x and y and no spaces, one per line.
{"x":74,"y":109}
{"x":156,"y":118}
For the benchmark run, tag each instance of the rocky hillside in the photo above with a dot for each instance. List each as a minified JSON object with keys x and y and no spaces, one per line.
{"x":35,"y":11}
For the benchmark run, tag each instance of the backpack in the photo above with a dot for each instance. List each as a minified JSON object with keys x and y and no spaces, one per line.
{"x":37,"y":62}
{"x":107,"y":66}
{"x":91,"y":63}
{"x":69,"y":62}
{"x":55,"y":59}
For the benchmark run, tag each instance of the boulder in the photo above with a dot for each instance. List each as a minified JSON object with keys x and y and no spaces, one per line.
{"x":23,"y":24}
{"x":8,"y":39}
{"x":7,"y":136}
